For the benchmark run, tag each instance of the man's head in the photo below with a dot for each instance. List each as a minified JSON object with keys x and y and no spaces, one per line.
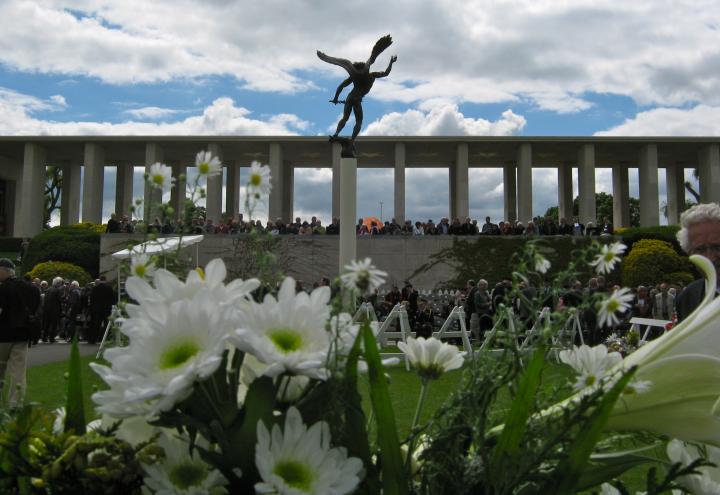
{"x":482,"y":284}
{"x":7,"y":269}
{"x":700,"y":232}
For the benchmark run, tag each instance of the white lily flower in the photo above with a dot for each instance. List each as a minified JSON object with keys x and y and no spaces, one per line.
{"x":259,"y":181}
{"x":207,"y":164}
{"x":616,"y":303}
{"x":142,"y":266}
{"x":608,"y":257}
{"x":706,"y":483}
{"x":362,"y":276}
{"x":590,"y":363}
{"x":299,"y":460}
{"x":160,"y":176}
{"x":182,"y":473}
{"x":431,"y":357}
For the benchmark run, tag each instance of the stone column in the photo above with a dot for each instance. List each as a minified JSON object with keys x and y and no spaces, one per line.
{"x":277,"y":193}
{"x":31,"y":197}
{"x":565,"y":192}
{"x":289,"y":196}
{"x":93,"y":180}
{"x":675,"y":187}
{"x":648,"y":178}
{"x":179,"y":191}
{"x":524,"y":183}
{"x":70,"y":196}
{"x":709,"y":168}
{"x":399,"y":181}
{"x":621,"y":196}
{"x":586,"y":183}
{"x":123,"y":189}
{"x":460,"y":198}
{"x":232,"y":189}
{"x":153,"y":196}
{"x":336,"y":153}
{"x":509,"y":193}
{"x":213,"y":201}
{"x":348,"y":212}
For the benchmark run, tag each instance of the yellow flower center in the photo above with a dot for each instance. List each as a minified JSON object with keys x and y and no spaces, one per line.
{"x":590,"y":380}
{"x":178,"y":354}
{"x":140,"y":270}
{"x":255,"y":180}
{"x":285,"y":339}
{"x":158,"y":179}
{"x":187,"y":475}
{"x":295,"y":474}
{"x":613,"y":305}
{"x":204,"y":168}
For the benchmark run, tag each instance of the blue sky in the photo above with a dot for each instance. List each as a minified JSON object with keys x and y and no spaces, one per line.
{"x":477,"y":68}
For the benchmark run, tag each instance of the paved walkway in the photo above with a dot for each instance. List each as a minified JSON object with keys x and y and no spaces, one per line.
{"x":60,"y":351}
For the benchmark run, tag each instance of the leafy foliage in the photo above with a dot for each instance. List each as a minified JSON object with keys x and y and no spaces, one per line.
{"x":47,"y":270}
{"x":53,"y":188}
{"x":603,"y":208}
{"x":79,"y":245}
{"x":651,"y":262}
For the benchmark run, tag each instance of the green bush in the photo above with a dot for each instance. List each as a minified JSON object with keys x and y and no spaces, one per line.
{"x":10,"y":244}
{"x":653,"y":261}
{"x":48,"y":270}
{"x":77,"y":244}
{"x":661,"y":233}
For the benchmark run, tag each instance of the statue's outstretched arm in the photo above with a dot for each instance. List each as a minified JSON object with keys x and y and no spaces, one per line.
{"x":386,"y":72}
{"x":342,"y":86}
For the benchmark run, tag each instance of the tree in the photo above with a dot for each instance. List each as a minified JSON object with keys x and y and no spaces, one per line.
{"x":53,"y":187}
{"x":603,"y":208}
{"x":688,"y":204}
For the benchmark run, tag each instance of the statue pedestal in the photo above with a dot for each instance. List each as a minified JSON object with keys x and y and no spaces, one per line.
{"x":348,"y":211}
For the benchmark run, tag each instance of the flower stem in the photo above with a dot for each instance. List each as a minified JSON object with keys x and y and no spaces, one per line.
{"x":416,"y":419}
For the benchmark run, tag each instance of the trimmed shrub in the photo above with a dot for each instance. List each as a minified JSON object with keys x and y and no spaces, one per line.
{"x":48,"y":270}
{"x":661,"y":233}
{"x":652,"y":261}
{"x":77,"y":244}
{"x":99,"y":228}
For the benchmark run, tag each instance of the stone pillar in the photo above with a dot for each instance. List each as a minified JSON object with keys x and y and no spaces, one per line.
{"x":277,"y":193}
{"x":675,"y":187}
{"x":459,"y":198}
{"x":31,"y":198}
{"x":70,"y":196}
{"x":11,"y":206}
{"x":123,"y":189}
{"x":232,"y":189}
{"x":93,"y":180}
{"x":709,"y":170}
{"x":213,"y":201}
{"x":399,"y":181}
{"x":586,"y":183}
{"x":336,"y":153}
{"x":524,"y":183}
{"x":451,"y":196}
{"x":648,"y":178}
{"x":621,"y":196}
{"x":509,"y":193}
{"x":179,"y":191}
{"x":565,"y":192}
{"x":348,"y":211}
{"x":153,"y":196}
{"x":289,"y":196}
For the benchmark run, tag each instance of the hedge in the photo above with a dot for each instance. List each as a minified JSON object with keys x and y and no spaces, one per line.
{"x":77,"y":244}
{"x":666,"y":233}
{"x":652,"y":261}
{"x":48,"y":270}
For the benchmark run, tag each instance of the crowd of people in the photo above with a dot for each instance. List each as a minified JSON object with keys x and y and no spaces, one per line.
{"x":238,"y":225}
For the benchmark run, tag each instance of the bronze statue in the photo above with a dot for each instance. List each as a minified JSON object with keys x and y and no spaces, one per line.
{"x":362,"y":80}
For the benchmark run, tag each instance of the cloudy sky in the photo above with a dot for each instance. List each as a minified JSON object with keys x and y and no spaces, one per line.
{"x":647,"y":67}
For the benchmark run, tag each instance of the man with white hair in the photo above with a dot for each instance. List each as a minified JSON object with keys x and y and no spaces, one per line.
{"x":14,"y":332}
{"x":699,"y":234}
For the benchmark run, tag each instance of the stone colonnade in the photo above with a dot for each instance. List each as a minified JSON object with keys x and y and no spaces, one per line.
{"x":83,"y":161}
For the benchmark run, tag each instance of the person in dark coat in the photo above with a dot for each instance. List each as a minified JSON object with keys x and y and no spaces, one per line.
{"x":52,"y":310}
{"x":102,"y":298}
{"x":14,"y":332}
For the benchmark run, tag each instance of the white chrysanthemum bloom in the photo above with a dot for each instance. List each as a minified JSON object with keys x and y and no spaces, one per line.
{"x":298,"y":460}
{"x":287,"y":391}
{"x":181,"y":344}
{"x":590,"y":363}
{"x":362,"y":276}
{"x":59,"y":423}
{"x":182,"y":473}
{"x":608,"y":257}
{"x":207,"y":164}
{"x":259,"y":181}
{"x":160,"y":176}
{"x":288,"y":333}
{"x":431,"y":357}
{"x":706,"y":483}
{"x":616,"y":303}
{"x":541,"y":263}
{"x":142,"y":266}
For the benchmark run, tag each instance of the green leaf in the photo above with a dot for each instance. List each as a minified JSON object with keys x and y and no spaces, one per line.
{"x":75,"y":407}
{"x":393,"y":472}
{"x":598,"y":472}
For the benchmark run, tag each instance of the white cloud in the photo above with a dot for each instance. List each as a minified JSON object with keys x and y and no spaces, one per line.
{"x":443,"y":119}
{"x":150,"y":112}
{"x":701,"y":120}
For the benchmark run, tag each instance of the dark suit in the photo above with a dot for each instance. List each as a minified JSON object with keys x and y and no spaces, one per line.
{"x":689,"y":299}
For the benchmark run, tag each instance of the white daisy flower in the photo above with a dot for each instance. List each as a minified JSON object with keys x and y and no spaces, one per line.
{"x":431,"y":357}
{"x":299,"y":460}
{"x":618,"y":302}
{"x":207,"y":164}
{"x":362,"y":276}
{"x":160,"y":176}
{"x":542,"y":265}
{"x":608,"y":257}
{"x":181,"y":344}
{"x":181,"y":472}
{"x":259,"y":181}
{"x":708,"y":481}
{"x":590,"y":363}
{"x":141,"y":265}
{"x":288,"y":334}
